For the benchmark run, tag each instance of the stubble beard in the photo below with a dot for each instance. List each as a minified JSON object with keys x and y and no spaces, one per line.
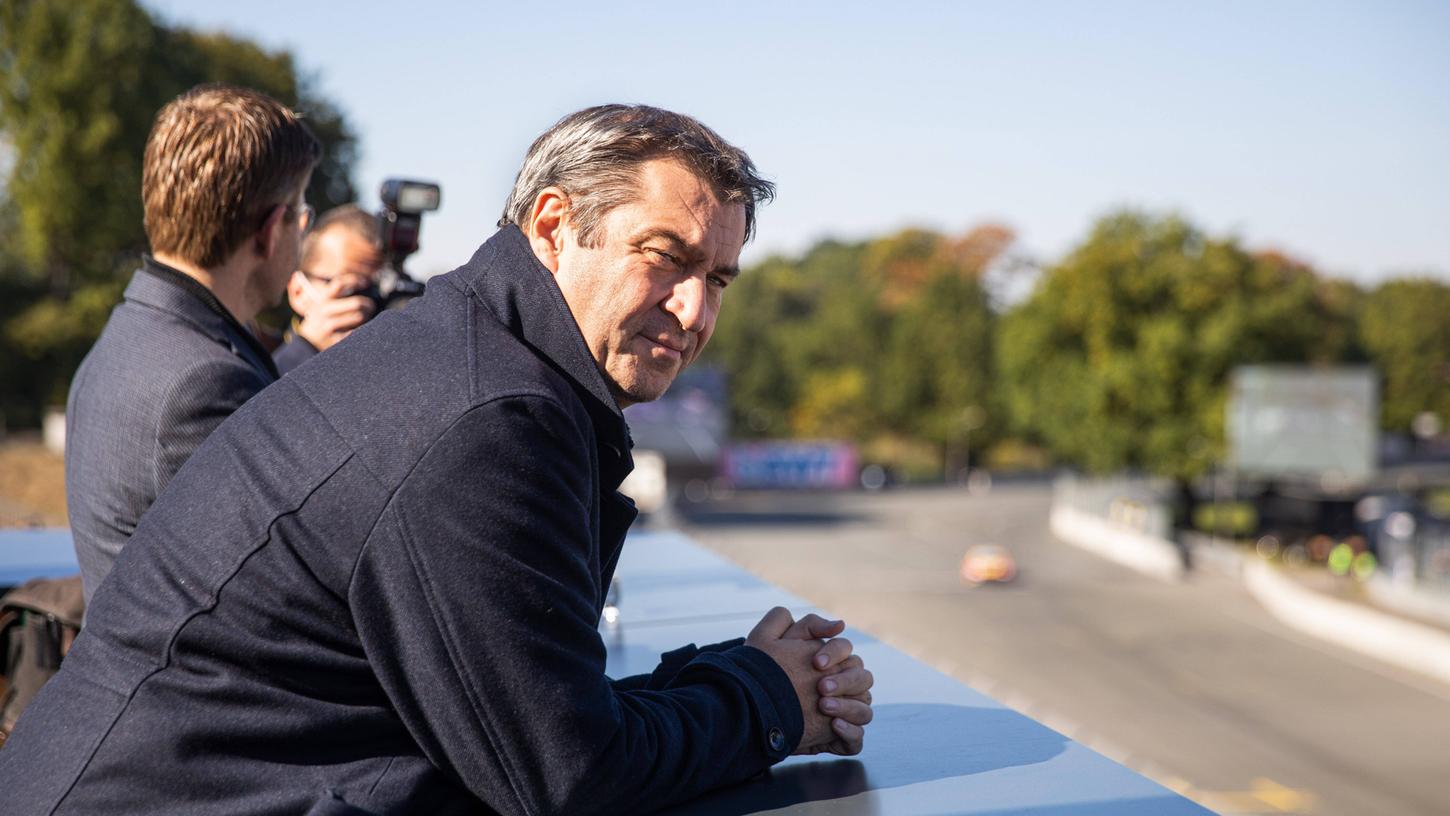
{"x":642,"y":380}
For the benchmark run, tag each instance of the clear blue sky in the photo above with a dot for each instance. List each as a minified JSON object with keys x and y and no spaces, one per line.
{"x":1318,"y":128}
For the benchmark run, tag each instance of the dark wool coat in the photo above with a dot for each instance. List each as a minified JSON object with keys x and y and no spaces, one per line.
{"x":379,"y":583}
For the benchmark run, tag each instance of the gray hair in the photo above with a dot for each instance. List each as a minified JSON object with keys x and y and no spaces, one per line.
{"x":349,"y":217}
{"x":594,"y":157}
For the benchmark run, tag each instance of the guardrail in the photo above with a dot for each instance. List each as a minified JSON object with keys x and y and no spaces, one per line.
{"x":1124,"y":520}
{"x":935,"y":746}
{"x":1120,"y":531}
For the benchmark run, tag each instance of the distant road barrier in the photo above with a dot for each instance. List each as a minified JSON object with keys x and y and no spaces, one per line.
{"x":1118,"y":519}
{"x":1407,"y":644}
{"x":1123,"y":520}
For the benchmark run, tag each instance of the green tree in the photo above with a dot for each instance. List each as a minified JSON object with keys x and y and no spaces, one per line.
{"x":76,"y":100}
{"x":890,"y":337}
{"x":1120,"y":358}
{"x":937,"y":376}
{"x":790,"y":329}
{"x":935,"y":383}
{"x":830,"y":404}
{"x":1404,"y":329}
{"x":80,"y":84}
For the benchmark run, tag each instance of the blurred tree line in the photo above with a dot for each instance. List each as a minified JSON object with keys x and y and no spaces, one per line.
{"x":1119,"y":357}
{"x":80,"y":84}
{"x":887,"y":342}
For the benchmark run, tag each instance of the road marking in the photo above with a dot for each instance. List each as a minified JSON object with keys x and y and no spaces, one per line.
{"x":1264,"y":796}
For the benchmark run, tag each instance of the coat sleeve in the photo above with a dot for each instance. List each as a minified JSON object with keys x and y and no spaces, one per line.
{"x":670,"y":665}
{"x":476,"y":601}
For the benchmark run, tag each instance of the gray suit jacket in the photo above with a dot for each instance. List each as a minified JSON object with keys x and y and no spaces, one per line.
{"x":170,"y":365}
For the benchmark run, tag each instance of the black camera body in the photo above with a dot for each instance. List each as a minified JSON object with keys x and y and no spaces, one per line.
{"x":400,"y":221}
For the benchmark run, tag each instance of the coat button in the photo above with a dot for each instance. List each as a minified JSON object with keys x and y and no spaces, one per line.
{"x":777,"y":740}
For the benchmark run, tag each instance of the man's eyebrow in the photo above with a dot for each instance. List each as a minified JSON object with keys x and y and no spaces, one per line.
{"x":667,"y":234}
{"x":663,"y":233}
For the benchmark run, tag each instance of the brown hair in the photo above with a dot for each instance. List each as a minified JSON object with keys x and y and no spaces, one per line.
{"x":348,"y":217}
{"x":218,"y":159}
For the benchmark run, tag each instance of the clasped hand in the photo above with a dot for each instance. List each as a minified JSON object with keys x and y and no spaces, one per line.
{"x":832,"y":684}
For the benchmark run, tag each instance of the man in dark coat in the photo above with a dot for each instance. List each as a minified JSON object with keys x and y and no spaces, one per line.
{"x":223,"y":177}
{"x":377,"y":587}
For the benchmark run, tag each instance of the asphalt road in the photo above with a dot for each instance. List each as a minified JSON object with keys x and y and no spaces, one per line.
{"x":1191,"y":684}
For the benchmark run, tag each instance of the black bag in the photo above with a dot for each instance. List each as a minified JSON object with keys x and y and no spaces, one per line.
{"x":38,"y":621}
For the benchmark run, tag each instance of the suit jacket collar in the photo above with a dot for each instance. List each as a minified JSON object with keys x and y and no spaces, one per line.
{"x":522,"y":293}
{"x":161,"y":287}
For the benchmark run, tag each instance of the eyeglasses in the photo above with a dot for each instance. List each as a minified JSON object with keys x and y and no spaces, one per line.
{"x":303,"y":212}
{"x":305,"y":216}
{"x":363,"y":282}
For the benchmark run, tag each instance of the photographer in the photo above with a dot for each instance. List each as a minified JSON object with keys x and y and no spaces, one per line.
{"x":340,"y":262}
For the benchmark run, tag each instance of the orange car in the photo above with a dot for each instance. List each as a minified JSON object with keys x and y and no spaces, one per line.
{"x":985,"y":563}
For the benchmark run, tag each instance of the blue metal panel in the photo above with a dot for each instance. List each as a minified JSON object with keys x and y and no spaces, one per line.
{"x":935,"y":747}
{"x":26,"y":554}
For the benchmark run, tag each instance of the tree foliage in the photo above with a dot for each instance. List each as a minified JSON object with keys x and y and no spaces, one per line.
{"x":856,"y":341}
{"x":1120,"y":358}
{"x":1405,"y":330}
{"x":75,"y":106}
{"x":80,"y":84}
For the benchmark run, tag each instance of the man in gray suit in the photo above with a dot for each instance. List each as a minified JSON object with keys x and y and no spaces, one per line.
{"x":224,"y":173}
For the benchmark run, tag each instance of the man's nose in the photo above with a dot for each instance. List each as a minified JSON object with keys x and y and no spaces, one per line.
{"x":687,"y":303}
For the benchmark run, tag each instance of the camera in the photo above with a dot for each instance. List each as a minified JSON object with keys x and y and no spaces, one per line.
{"x":400,"y":220}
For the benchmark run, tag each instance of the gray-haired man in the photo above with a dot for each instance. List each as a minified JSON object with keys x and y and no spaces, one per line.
{"x":378,"y":585}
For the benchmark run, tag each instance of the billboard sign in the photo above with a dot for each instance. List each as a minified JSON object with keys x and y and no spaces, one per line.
{"x":819,"y":465}
{"x":1297,"y":421}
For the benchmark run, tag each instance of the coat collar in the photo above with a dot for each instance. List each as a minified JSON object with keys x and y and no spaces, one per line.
{"x":521,"y":292}
{"x":161,"y":287}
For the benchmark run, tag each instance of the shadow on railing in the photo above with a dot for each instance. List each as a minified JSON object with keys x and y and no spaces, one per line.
{"x":910,"y":744}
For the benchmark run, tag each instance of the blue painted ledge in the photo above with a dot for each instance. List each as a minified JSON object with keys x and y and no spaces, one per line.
{"x":43,"y":553}
{"x":935,"y":747}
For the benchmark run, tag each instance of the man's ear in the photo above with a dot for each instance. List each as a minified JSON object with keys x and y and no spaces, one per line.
{"x":548,"y":221}
{"x":270,"y":234}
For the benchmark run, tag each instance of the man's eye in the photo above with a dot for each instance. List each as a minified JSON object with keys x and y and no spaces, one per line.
{"x":719,"y":282}
{"x":660,"y":253}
